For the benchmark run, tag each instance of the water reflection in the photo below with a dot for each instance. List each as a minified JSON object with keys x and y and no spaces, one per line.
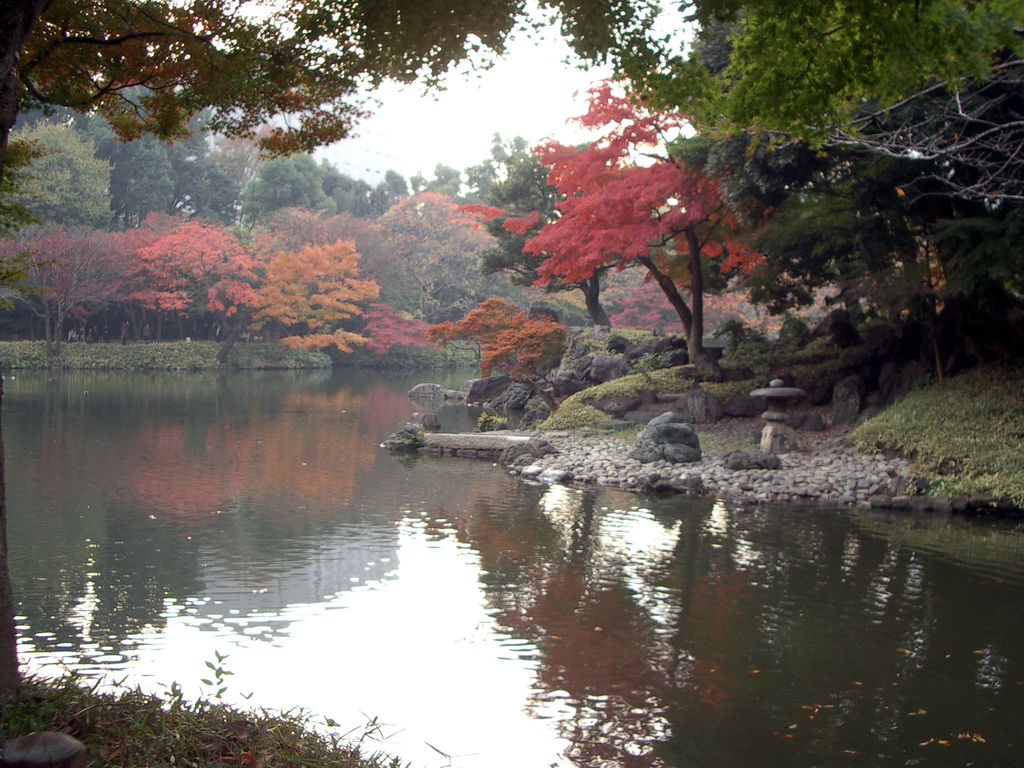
{"x":156,"y":519}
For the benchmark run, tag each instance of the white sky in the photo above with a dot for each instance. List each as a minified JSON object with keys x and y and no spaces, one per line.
{"x":528,"y":94}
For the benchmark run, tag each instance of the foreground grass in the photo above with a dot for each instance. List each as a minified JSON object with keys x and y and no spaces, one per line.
{"x":131,"y":729}
{"x":964,"y":434}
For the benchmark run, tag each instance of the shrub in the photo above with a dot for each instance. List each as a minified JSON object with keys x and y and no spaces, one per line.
{"x":171,"y":355}
{"x":488,"y":422}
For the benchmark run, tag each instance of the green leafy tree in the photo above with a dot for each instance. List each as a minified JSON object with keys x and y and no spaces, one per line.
{"x":841,"y":71}
{"x":67,"y":185}
{"x":437,"y":246}
{"x":285,"y":182}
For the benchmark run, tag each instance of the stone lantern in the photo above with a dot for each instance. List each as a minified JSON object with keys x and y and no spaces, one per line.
{"x":777,"y":436}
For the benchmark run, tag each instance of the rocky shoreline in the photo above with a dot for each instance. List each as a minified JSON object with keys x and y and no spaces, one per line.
{"x":827,"y":472}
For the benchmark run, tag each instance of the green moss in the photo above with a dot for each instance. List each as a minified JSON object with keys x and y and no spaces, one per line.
{"x":573,"y":415}
{"x":964,"y":434}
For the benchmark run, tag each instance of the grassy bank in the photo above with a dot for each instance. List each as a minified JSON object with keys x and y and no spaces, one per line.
{"x":965,"y":434}
{"x":162,"y":355}
{"x":131,"y":729}
{"x":201,"y":355}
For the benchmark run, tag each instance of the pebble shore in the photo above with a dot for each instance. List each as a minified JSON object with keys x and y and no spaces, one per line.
{"x":824,"y":470}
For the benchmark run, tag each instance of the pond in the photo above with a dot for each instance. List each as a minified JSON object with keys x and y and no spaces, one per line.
{"x":470,"y":619}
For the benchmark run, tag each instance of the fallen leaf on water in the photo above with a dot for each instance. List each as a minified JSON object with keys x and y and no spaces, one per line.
{"x":919,"y":712}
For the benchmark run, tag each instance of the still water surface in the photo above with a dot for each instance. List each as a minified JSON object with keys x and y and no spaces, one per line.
{"x":158,"y":519}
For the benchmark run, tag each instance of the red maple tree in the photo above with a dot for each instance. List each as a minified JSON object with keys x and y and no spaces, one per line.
{"x":388,"y":328}
{"x":659,"y":213}
{"x":523,"y":347}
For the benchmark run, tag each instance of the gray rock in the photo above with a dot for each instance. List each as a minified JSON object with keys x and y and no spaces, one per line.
{"x":427,"y":391}
{"x":428,"y":421}
{"x":532,"y":449}
{"x":741,"y":460}
{"x":742,"y":406}
{"x":846,"y":400}
{"x":49,"y":749}
{"x":667,"y":438}
{"x":566,"y":384}
{"x":675,"y":357}
{"x":699,"y":407}
{"x":616,"y":343}
{"x":604,"y":368}
{"x":514,"y":398}
{"x":407,"y":440}
{"x":481,"y":390}
{"x":617,"y":406}
{"x":642,"y":349}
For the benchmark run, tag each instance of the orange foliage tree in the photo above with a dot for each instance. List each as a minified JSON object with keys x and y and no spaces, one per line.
{"x":661,"y":214}
{"x":314,"y":288}
{"x":523,"y":347}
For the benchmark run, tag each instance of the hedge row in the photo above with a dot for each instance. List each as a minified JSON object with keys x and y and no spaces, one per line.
{"x":170,"y":355}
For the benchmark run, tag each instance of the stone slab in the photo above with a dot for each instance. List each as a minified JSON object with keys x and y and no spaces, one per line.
{"x":472,"y":441}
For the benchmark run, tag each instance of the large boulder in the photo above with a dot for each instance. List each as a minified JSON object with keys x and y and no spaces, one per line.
{"x":838,"y":325}
{"x":617,"y":343}
{"x":698,"y":406}
{"x":481,"y":390}
{"x":514,"y":398}
{"x":847,"y":400}
{"x":409,"y":439}
{"x":740,"y":460}
{"x":744,"y":406}
{"x":526,"y":451}
{"x":617,"y":406}
{"x":669,"y":438}
{"x":565,"y":384}
{"x":601,"y":368}
{"x":675,"y":357}
{"x":427,"y":391}
{"x":429,"y":422}
{"x":643,"y":348}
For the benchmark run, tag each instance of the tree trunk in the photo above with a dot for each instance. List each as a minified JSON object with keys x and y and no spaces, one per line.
{"x":591,"y":288}
{"x":17,"y":20}
{"x":695,"y":338}
{"x":544,"y":394}
{"x":669,"y":288}
{"x":229,"y":342}
{"x":8,"y":639}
